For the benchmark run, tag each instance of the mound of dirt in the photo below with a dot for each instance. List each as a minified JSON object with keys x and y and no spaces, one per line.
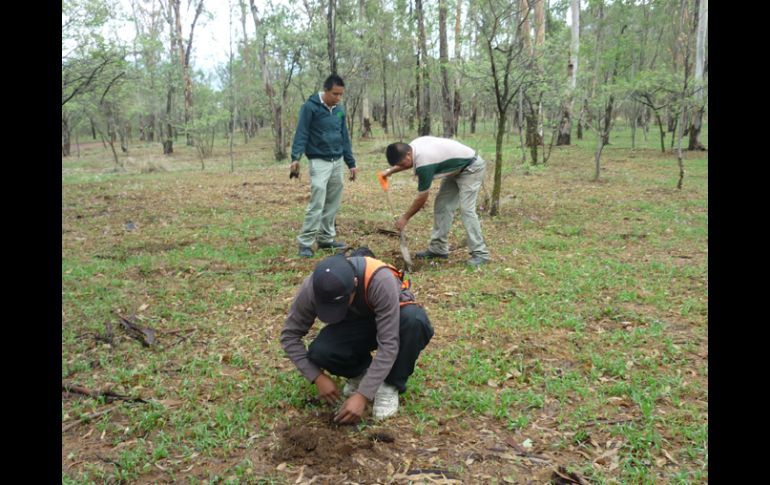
{"x":309,"y":446}
{"x":318,"y":442}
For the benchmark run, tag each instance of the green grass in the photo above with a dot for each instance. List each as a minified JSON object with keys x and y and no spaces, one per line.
{"x":591,"y":322}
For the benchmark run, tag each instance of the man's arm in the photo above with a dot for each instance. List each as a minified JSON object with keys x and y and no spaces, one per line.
{"x":347,"y":149}
{"x":417,"y":204}
{"x":383,"y":296}
{"x":298,"y":322}
{"x":301,"y":133}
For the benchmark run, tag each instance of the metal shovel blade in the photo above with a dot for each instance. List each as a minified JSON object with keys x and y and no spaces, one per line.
{"x":405,"y":251}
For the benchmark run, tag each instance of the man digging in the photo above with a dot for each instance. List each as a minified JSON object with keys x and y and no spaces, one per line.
{"x":366,"y":306}
{"x":461,"y":171}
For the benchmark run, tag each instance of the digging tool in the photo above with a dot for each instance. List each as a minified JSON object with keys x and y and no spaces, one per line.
{"x":404,"y":249}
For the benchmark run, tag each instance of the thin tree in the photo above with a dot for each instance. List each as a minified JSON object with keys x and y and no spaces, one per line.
{"x":446,"y":112}
{"x":425,"y":119}
{"x":331,"y":35}
{"x":232,"y":87}
{"x":457,"y":103}
{"x":700,"y":72}
{"x":274,"y":106}
{"x":565,"y":126}
{"x":184,"y":52}
{"x":509,"y":62}
{"x":366,"y":112}
{"x":530,"y":107}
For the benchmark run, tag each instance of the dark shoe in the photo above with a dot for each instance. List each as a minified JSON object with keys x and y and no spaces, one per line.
{"x":332,"y":245}
{"x":476,"y":261}
{"x":305,"y":252}
{"x":428,"y":254}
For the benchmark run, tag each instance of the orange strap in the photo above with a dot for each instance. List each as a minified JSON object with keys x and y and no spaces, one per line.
{"x":374,"y":265}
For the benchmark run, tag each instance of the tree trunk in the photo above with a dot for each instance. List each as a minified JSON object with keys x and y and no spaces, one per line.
{"x":495,"y":206}
{"x":366,"y":122}
{"x":608,"y":119}
{"x":662,"y":133}
{"x":447,"y":113}
{"x":184,"y":59}
{"x":275,"y":107}
{"x":597,"y":155}
{"x":425,"y":120}
{"x":537,"y":52}
{"x":533,"y":137}
{"x":522,"y":143}
{"x":123,"y":135}
{"x":366,"y":112}
{"x":700,"y":54}
{"x":168,"y":142}
{"x":525,"y":26}
{"x":580,"y":120}
{"x":331,"y":34}
{"x":457,"y":99}
{"x":679,"y":160}
{"x":474,"y":112}
{"x":384,"y":120}
{"x":565,"y":126}
{"x":65,"y":134}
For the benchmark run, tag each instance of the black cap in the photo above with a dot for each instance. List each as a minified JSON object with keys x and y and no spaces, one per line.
{"x":333,"y":283}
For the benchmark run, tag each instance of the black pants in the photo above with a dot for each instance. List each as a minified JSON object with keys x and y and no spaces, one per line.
{"x":345,"y":348}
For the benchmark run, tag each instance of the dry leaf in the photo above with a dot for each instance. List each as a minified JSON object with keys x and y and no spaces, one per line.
{"x":670,"y":457}
{"x":492,"y":383}
{"x":281,"y":467}
{"x":143,"y":307}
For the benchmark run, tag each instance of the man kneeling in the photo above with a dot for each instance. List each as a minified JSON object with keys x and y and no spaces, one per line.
{"x":366,"y":306}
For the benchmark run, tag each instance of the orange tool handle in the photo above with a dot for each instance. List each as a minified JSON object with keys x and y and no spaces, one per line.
{"x":383,"y":181}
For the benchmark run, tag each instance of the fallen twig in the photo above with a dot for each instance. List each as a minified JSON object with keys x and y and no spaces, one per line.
{"x":108,"y":395}
{"x":184,"y":337}
{"x":563,"y":477}
{"x":145,"y":336}
{"x":522,"y":452}
{"x":388,"y":232}
{"x":85,"y":418}
{"x":611,"y":421}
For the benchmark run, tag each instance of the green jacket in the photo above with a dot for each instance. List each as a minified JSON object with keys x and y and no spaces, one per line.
{"x":322,"y":133}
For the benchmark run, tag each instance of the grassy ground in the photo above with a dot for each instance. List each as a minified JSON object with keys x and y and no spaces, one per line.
{"x":583,"y":345}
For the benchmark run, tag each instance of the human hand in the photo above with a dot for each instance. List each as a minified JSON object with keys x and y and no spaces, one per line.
{"x":352,"y":409}
{"x":327,"y":389}
{"x":353,"y":173}
{"x":401,"y":223}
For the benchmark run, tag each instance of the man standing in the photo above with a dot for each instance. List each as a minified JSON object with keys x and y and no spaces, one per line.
{"x":322,"y":135}
{"x":461,"y":171}
{"x":366,"y":306}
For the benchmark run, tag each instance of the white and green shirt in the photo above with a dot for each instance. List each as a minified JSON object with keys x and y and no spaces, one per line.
{"x":435,"y":157}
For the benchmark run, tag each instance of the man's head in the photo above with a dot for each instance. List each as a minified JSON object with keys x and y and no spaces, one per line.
{"x":334,"y":87}
{"x":334,"y":284}
{"x":399,"y":154}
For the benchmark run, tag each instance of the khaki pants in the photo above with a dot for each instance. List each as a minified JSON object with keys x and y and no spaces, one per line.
{"x":325,"y":197}
{"x":463,"y":190}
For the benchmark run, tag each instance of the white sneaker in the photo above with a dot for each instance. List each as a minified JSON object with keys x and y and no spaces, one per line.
{"x":385,"y":401}
{"x":351,"y":385}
